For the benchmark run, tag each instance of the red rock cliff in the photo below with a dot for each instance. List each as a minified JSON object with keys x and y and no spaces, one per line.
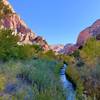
{"x":12,"y":21}
{"x":93,"y":30}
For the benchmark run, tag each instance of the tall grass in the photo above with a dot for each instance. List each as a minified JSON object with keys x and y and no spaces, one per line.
{"x":33,"y":80}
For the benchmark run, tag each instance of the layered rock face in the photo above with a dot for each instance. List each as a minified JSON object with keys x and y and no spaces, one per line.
{"x":39,"y":40}
{"x":68,"y":49}
{"x":92,"y":31}
{"x":56,"y":48}
{"x":12,"y":21}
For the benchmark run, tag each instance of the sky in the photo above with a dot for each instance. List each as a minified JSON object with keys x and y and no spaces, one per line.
{"x":58,"y":21}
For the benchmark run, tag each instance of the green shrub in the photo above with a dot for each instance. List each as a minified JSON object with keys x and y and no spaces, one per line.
{"x":80,"y":63}
{"x":73,"y":73}
{"x":89,"y":72}
{"x":91,"y":52}
{"x":8,"y":43}
{"x":58,"y":68}
{"x":10,"y":50}
{"x":38,"y":80}
{"x":76,"y":54}
{"x":2,"y":82}
{"x":50,"y":55}
{"x":25,"y":52}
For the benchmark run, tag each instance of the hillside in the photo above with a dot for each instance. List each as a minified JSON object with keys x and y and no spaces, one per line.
{"x":89,"y":32}
{"x":10,"y":19}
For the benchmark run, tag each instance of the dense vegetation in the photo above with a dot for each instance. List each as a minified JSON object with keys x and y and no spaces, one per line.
{"x":10,"y":50}
{"x":31,"y":80}
{"x":84,"y":70}
{"x":29,"y":73}
{"x":26,"y":72}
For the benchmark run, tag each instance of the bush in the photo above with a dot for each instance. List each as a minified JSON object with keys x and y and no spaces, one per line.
{"x":91,"y":52}
{"x":80,"y":63}
{"x":73,"y":73}
{"x":10,"y":50}
{"x":89,"y":72}
{"x":8,"y":43}
{"x":34,"y":79}
{"x":25,"y":52}
{"x":49,"y":55}
{"x":2,"y":82}
{"x":76,"y":54}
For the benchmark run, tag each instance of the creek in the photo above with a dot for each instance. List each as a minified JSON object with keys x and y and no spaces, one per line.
{"x":66,"y":84}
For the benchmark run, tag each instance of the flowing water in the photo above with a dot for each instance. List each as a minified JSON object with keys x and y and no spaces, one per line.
{"x":67,"y":85}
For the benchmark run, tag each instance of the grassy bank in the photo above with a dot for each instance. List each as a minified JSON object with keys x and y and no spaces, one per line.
{"x":84,"y":70}
{"x":27,"y":72}
{"x":30,"y":79}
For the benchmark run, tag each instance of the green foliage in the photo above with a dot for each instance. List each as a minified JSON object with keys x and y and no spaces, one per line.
{"x":37,"y":48}
{"x":39,"y":78}
{"x":65,"y":59}
{"x":33,"y":72}
{"x":58,"y":68}
{"x":10,"y":50}
{"x":85,"y":70}
{"x":80,"y":63}
{"x":76,"y":54}
{"x":7,"y":39}
{"x":2,"y":82}
{"x":50,"y":55}
{"x":91,"y":52}
{"x":37,"y":82}
{"x":73,"y":73}
{"x":36,"y":78}
{"x":8,"y":44}
{"x":25,"y":52}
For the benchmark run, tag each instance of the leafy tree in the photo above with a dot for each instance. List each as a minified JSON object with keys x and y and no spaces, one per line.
{"x":8,"y":43}
{"x":10,"y":49}
{"x":91,"y":52}
{"x":50,"y":55}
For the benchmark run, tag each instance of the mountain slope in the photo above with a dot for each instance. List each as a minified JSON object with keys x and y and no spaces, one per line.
{"x":92,"y":31}
{"x":9,"y":19}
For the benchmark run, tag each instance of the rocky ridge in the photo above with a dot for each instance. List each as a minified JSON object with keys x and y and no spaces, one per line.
{"x":68,"y":49}
{"x":92,"y":31}
{"x":12,"y":20}
{"x":56,"y":48}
